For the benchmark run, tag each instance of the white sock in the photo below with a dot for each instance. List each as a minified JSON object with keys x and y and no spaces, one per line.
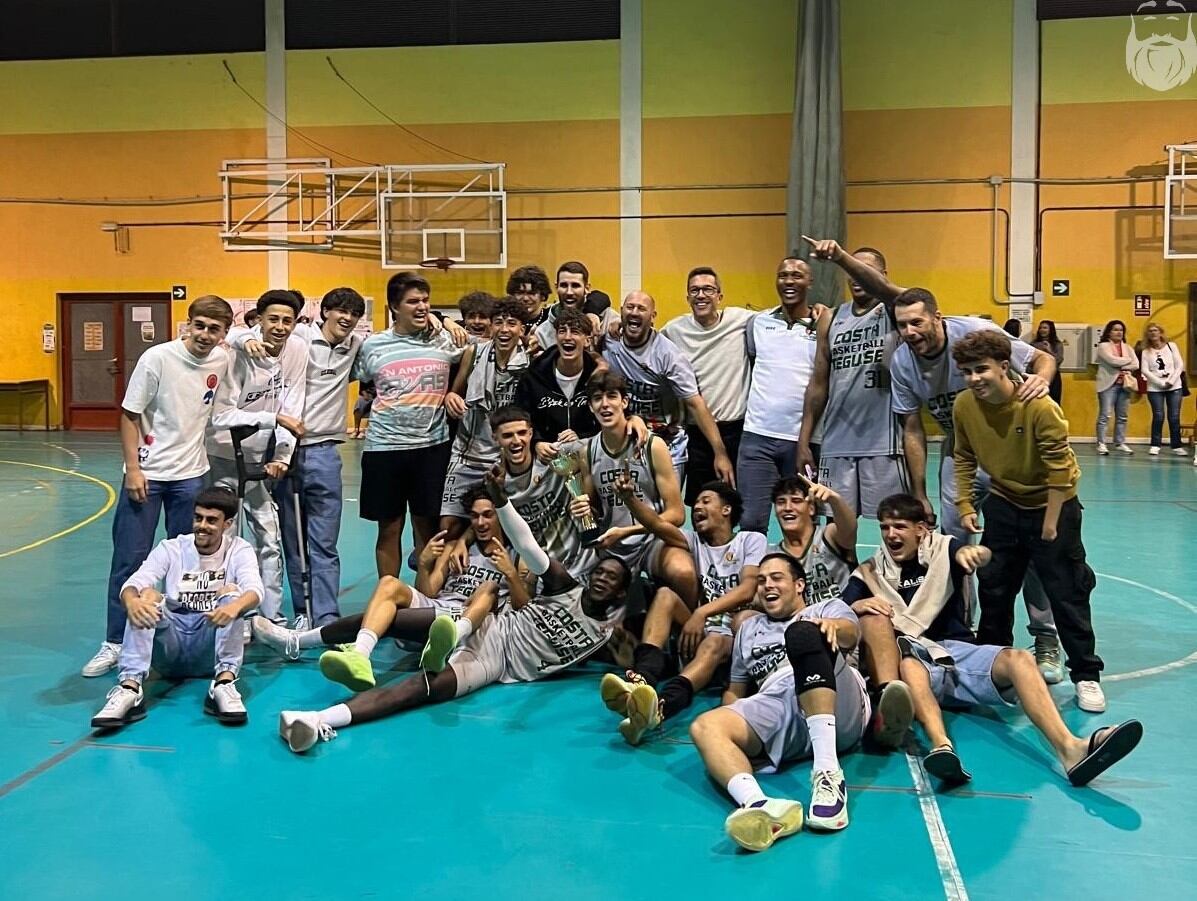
{"x":310,"y":639}
{"x":744,"y":789}
{"x":821,"y":728}
{"x":464,"y":628}
{"x":337,"y":716}
{"x":366,"y":640}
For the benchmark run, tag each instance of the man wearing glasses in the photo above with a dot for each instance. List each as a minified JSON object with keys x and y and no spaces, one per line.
{"x":712,"y":339}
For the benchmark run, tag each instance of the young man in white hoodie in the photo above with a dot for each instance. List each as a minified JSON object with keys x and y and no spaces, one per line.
{"x":272,"y":389}
{"x":183,"y":604}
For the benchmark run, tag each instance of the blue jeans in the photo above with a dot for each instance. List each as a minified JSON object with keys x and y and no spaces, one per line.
{"x":182,"y":646}
{"x":1115,"y":400}
{"x":133,"y":528}
{"x":762,"y":461}
{"x":320,"y":500}
{"x":1161,"y":402}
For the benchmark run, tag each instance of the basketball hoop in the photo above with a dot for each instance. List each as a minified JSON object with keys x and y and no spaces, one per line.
{"x":444,"y":264}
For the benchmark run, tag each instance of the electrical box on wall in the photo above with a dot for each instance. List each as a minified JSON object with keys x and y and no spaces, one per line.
{"x":1080,"y":342}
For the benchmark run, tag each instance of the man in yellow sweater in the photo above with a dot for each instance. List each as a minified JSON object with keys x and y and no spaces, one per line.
{"x":1032,"y":513}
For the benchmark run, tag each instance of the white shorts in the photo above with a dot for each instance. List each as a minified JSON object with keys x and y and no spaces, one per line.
{"x":420,"y":601}
{"x":481,"y":660}
{"x":864,"y":482}
{"x":460,"y":477}
{"x":773,"y":714}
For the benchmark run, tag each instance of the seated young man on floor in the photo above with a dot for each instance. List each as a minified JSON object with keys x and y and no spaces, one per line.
{"x":564,"y":624}
{"x":184,"y":605}
{"x":792,"y":695}
{"x":726,"y":561}
{"x":613,"y":451}
{"x":910,"y":600}
{"x":438,"y":590}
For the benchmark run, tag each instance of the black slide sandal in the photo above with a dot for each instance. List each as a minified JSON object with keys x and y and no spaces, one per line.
{"x":1119,"y":741}
{"x":944,"y":764}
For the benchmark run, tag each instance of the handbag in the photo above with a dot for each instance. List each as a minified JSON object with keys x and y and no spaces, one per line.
{"x":1184,"y":376}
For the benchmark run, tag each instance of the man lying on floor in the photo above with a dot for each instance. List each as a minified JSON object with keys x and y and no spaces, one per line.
{"x":563,"y":625}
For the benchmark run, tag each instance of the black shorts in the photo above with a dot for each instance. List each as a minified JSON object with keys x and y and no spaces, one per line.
{"x":397,"y":482}
{"x":700,"y":468}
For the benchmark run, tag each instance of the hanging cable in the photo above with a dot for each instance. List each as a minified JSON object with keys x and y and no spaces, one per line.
{"x":323,"y":148}
{"x":370,"y":103}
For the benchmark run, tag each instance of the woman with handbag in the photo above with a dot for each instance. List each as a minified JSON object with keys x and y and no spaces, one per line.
{"x":1047,"y":341}
{"x":1163,"y":368}
{"x":1117,"y":380}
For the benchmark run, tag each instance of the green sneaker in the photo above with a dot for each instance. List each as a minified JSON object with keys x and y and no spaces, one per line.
{"x":442,"y":639}
{"x":349,"y":667}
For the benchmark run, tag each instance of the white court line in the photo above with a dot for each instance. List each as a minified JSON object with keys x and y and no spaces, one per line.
{"x":1163,"y":667}
{"x":66,"y":450}
{"x":937,"y":832}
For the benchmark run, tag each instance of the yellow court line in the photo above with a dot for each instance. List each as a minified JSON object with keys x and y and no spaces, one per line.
{"x":79,"y":525}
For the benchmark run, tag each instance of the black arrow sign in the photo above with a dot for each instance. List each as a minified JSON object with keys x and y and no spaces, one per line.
{"x":178,"y":292}
{"x":1060,"y":287}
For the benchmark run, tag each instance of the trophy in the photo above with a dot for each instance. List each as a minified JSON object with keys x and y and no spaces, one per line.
{"x":568,"y":465}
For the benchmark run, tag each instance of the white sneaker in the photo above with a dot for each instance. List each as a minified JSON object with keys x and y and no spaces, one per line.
{"x":1102,"y":450}
{"x":828,"y":801}
{"x":1154,"y":451}
{"x":105,"y":660}
{"x":285,"y":641}
{"x":300,"y":624}
{"x":757,"y":828}
{"x":1179,"y":452}
{"x":1124,"y":448}
{"x":224,"y":702}
{"x":1047,"y":658}
{"x":301,"y":729}
{"x":1090,"y":697}
{"x":123,"y":706}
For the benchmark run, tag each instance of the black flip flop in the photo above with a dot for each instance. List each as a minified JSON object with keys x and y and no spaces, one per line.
{"x":1119,"y":741}
{"x":944,"y":764}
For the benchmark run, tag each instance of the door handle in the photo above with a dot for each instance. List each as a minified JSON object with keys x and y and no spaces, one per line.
{"x":113,"y":368}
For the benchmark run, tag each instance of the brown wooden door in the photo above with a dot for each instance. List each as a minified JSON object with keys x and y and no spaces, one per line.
{"x":104,"y":335}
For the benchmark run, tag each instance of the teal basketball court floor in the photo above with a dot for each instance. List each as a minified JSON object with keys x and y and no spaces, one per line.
{"x":528,"y":791}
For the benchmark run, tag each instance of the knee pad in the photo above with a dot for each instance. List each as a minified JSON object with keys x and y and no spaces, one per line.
{"x":810,"y":656}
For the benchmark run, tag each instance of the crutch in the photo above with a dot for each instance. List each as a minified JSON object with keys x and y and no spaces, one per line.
{"x":301,"y":531}
{"x":247,"y":472}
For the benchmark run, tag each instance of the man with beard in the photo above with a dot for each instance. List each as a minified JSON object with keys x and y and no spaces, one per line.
{"x":563,"y":625}
{"x":712,"y":339}
{"x":1167,"y":57}
{"x":860,"y":456}
{"x":477,"y":392}
{"x":573,"y":287}
{"x":922,"y":374}
{"x":781,"y":344}
{"x":662,"y":386}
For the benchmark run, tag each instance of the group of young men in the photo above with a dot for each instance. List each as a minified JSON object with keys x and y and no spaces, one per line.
{"x":545,"y":456}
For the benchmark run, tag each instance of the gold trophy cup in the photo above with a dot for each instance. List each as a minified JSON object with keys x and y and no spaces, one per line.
{"x":568,"y":465}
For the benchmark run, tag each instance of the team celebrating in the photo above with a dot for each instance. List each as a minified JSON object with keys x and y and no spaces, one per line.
{"x":545,"y":455}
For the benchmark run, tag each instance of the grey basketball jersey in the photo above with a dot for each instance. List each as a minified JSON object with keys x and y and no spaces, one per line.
{"x":760,"y":648}
{"x":859,"y":420}
{"x":547,"y":635}
{"x":658,"y":378}
{"x":479,"y":569}
{"x":605,"y":469}
{"x":827,"y":573}
{"x":489,"y":388}
{"x":719,"y":566}
{"x":542,"y":498}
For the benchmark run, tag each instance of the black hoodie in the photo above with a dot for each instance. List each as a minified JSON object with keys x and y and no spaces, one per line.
{"x":552,"y":414}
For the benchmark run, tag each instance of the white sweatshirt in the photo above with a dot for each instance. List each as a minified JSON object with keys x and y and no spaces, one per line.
{"x":263,"y":388}
{"x":191,"y":583}
{"x":1161,"y":366}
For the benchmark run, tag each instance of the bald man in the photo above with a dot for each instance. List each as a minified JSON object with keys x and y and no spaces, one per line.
{"x":661,"y":385}
{"x":781,"y":345}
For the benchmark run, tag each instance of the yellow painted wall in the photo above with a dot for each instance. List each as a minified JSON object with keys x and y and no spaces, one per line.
{"x":926,"y":95}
